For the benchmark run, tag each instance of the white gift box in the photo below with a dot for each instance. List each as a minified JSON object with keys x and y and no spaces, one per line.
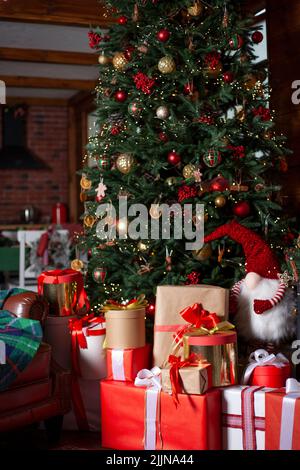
{"x":243,"y":415}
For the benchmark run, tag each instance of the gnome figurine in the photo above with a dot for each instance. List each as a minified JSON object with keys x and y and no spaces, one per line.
{"x":261,"y":305}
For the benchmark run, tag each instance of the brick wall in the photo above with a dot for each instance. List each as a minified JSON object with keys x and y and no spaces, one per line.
{"x":47,"y":137}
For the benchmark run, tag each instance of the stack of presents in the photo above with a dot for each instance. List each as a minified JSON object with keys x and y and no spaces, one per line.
{"x":186,"y":391}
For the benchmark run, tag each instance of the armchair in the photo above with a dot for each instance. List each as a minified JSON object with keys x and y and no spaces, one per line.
{"x":42,"y":391}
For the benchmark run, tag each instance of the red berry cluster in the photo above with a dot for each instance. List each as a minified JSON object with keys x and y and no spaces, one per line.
{"x":262,"y":112}
{"x":206,"y":119}
{"x":95,"y":39}
{"x":187,"y":192}
{"x":144,"y":83}
{"x":237,"y":151}
{"x":192,"y":278}
{"x":212,"y":59}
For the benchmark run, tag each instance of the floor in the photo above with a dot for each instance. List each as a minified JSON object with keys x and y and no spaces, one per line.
{"x":35,"y":439}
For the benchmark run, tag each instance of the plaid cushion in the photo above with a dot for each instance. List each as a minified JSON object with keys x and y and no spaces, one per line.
{"x":20,"y":339}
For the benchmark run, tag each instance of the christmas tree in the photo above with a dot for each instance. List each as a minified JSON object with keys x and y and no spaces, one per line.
{"x":183,"y":117}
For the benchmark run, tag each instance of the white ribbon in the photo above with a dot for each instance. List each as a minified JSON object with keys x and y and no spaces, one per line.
{"x":261,"y":357}
{"x":117,"y":359}
{"x":152,"y":380}
{"x":288,"y":414}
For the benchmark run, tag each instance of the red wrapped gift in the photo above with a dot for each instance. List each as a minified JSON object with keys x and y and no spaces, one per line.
{"x":124,"y":364}
{"x":283,"y":417}
{"x":194,"y":425}
{"x":267,"y":370}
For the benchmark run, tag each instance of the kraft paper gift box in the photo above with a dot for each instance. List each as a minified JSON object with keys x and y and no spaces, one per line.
{"x":124,"y":364}
{"x":170,"y":301}
{"x":194,"y":380}
{"x":244,"y":417}
{"x":283,"y":418}
{"x":195,"y":424}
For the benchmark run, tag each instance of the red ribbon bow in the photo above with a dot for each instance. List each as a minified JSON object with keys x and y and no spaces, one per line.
{"x":176,"y":364}
{"x":197,"y":317}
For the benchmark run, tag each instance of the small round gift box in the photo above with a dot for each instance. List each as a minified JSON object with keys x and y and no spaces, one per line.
{"x":218,"y":349}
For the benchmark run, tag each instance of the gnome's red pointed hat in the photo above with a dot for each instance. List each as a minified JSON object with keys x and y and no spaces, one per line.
{"x":259,"y":257}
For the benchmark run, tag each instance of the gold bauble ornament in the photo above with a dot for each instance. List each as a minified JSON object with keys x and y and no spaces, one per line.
{"x":89,"y":221}
{"x":124,"y":163}
{"x":188,"y":171}
{"x":171,"y":181}
{"x":204,"y":253}
{"x":85,"y":183}
{"x":220,"y":201}
{"x":104,"y":60}
{"x":119,"y":61}
{"x":142,"y":246}
{"x":77,"y":265}
{"x":166,"y":65}
{"x":195,"y":9}
{"x":213,"y":72}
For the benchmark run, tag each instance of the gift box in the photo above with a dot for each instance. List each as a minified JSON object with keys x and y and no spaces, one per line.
{"x":124,"y":364}
{"x":125,"y":324}
{"x":190,"y":379}
{"x":87,"y":347}
{"x":243,"y":416}
{"x":219,"y":349}
{"x":194,"y":424}
{"x":283,"y":417}
{"x":170,"y":301}
{"x":64,"y":291}
{"x":267,"y":370}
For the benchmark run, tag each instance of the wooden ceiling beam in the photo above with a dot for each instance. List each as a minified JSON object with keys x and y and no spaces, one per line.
{"x":36,"y":101}
{"x":49,"y":57}
{"x":45,"y":82}
{"x":67,"y":12}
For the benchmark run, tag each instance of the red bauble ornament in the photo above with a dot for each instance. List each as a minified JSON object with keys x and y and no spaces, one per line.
{"x":120,"y":96}
{"x":241,"y":209}
{"x":163,"y":137}
{"x":236,"y":42}
{"x":115,"y":130}
{"x":128,"y":52}
{"x":163,"y":35}
{"x":257,"y":37}
{"x":174,"y":158}
{"x":228,"y":77}
{"x":150,"y":310}
{"x":219,"y":184}
{"x":123,"y":20}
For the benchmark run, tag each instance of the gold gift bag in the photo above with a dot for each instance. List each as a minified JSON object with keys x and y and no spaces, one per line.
{"x":64,"y":291}
{"x":219,"y":349}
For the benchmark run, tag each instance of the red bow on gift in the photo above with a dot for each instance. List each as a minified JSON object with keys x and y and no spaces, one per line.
{"x":197,"y":317}
{"x":176,"y":364}
{"x":76,"y":326}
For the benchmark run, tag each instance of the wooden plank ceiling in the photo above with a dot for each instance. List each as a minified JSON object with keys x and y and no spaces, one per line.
{"x":44,"y":52}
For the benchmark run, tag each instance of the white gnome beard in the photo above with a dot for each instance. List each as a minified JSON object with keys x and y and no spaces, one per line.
{"x":274,"y":325}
